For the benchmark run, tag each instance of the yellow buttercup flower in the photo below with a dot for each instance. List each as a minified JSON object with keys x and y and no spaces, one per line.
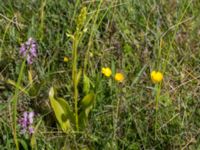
{"x":119,"y":77}
{"x":106,"y":71}
{"x":156,"y":76}
{"x":65,"y":59}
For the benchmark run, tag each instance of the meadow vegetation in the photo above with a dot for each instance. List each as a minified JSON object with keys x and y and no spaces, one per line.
{"x":100,"y":74}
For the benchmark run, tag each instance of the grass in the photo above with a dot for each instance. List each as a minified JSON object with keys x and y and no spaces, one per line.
{"x":131,"y":37}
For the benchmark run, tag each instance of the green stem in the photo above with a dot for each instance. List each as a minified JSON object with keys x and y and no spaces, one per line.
{"x":74,"y":78}
{"x":15,"y":100}
{"x":158,"y":88}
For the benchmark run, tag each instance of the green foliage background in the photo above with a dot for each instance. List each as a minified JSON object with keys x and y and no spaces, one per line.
{"x":129,"y":36}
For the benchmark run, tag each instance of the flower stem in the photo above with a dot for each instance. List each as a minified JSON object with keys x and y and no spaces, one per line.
{"x":15,"y":99}
{"x":157,"y":88}
{"x":74,"y":79}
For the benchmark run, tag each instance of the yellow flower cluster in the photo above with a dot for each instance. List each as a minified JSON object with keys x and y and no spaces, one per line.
{"x":156,"y":76}
{"x":118,"y":76}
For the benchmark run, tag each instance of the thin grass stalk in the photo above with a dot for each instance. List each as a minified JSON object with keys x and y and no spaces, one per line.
{"x":14,"y":106}
{"x":91,"y":38}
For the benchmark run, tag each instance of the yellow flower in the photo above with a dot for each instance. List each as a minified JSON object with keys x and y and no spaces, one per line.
{"x":106,"y":71}
{"x":119,"y":77}
{"x":65,"y":59}
{"x":156,"y":76}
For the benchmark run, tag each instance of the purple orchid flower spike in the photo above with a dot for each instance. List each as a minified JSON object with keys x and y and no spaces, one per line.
{"x":26,"y":122}
{"x":29,"y":50}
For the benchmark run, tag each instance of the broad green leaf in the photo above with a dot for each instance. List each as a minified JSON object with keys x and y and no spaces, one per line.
{"x":87,"y":101}
{"x":68,"y":110}
{"x":62,"y":111}
{"x":86,"y":84}
{"x":83,"y":119}
{"x":85,"y":107}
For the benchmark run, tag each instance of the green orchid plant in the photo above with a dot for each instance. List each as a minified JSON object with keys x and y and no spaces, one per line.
{"x":74,"y":117}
